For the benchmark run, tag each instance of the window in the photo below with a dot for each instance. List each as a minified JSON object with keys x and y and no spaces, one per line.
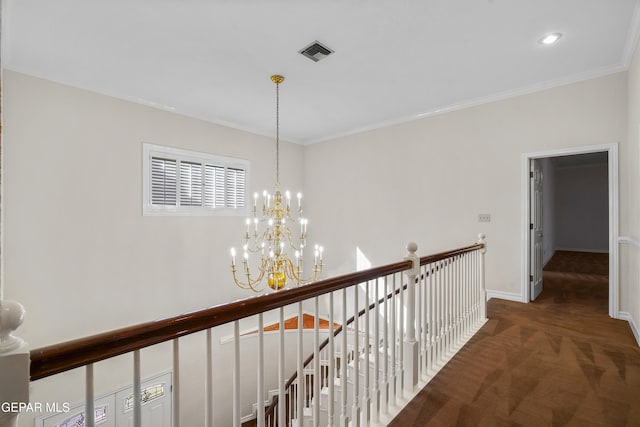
{"x":181,"y":182}
{"x":78,"y":420}
{"x":147,"y":395}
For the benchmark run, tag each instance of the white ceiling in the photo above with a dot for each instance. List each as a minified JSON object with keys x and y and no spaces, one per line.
{"x":394,"y":60}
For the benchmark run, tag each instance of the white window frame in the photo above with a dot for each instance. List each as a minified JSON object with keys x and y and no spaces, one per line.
{"x":150,"y":151}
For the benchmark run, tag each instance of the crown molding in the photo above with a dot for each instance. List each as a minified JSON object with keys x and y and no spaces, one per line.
{"x":475,"y":102}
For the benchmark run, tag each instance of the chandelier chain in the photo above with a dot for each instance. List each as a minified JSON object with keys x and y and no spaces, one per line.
{"x":277,"y":135}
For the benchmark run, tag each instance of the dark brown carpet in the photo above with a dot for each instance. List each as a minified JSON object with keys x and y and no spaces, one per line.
{"x":579,"y":262}
{"x":559,"y":361}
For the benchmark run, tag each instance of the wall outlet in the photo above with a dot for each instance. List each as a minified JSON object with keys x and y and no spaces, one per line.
{"x":484,"y":217}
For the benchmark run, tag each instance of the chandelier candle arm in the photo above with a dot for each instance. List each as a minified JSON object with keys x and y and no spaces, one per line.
{"x":276,"y":238}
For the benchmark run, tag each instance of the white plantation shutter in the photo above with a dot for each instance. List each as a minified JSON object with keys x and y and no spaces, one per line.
{"x":181,"y":182}
{"x":190,"y":184}
{"x":213,"y":186}
{"x":163,"y":182}
{"x":235,"y":188}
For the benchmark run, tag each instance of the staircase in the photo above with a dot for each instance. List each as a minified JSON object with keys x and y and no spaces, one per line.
{"x":380,"y":361}
{"x":406,"y":320}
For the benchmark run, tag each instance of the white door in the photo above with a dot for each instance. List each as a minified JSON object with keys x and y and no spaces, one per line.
{"x":156,"y":403}
{"x":535,"y":227}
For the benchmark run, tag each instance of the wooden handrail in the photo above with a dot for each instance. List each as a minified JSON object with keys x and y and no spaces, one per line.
{"x":57,"y":358}
{"x":449,"y":254}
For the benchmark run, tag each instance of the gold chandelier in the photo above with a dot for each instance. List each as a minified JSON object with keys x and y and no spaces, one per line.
{"x":269,"y":235}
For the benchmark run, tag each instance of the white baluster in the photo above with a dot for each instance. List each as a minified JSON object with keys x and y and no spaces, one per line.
{"x":317,"y":378}
{"x":410,"y":344}
{"x":176,"y":383}
{"x":385,"y":355}
{"x":137,"y":392}
{"x":447,"y":306}
{"x":465,"y":305}
{"x":439,"y":311}
{"x":428,"y":288}
{"x":419,"y":321}
{"x":89,"y":405}
{"x":344,"y":418}
{"x":465,"y":278}
{"x":463,"y":284}
{"x":14,"y":361}
{"x":432,"y":322}
{"x":443,"y":309}
{"x":281,"y":381}
{"x":452,"y":279}
{"x":366,"y":399}
{"x":332,"y":364}
{"x":260,"y":379}
{"x":300,"y":364}
{"x":469,"y":275}
{"x":375,"y":392}
{"x":236,"y":374}
{"x":474,"y":290}
{"x":355,"y":413}
{"x":422,"y":319}
{"x":426,"y":326}
{"x":401,"y":331}
{"x":456,"y":299}
{"x":472,"y":286}
{"x":209,"y":382}
{"x":393,"y":383}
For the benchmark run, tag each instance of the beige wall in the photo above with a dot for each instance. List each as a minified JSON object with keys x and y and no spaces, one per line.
{"x":75,"y":235}
{"x":80,"y":256}
{"x":427,"y":180}
{"x":631,"y":253}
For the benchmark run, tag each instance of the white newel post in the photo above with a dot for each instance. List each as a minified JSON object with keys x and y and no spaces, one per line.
{"x":14,"y":365}
{"x":410,"y":343}
{"x":483,"y":290}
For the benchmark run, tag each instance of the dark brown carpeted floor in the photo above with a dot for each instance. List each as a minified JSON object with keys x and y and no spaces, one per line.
{"x":558,"y":361}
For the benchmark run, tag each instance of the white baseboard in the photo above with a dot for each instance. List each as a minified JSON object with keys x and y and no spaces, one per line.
{"x":623,"y":315}
{"x":509,"y":296}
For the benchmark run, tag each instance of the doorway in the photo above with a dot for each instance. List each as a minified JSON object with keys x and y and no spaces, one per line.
{"x":530,"y":267}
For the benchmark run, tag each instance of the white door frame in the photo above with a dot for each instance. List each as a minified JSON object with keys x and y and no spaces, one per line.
{"x":612,"y":151}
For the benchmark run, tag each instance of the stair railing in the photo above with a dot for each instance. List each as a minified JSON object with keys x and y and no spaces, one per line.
{"x":447,"y":306}
{"x":464,"y":319}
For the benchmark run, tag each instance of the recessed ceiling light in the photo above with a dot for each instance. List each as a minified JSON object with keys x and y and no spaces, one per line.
{"x":550,"y":38}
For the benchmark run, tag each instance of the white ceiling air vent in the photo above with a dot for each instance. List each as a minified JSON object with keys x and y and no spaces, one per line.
{"x":316,"y":51}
